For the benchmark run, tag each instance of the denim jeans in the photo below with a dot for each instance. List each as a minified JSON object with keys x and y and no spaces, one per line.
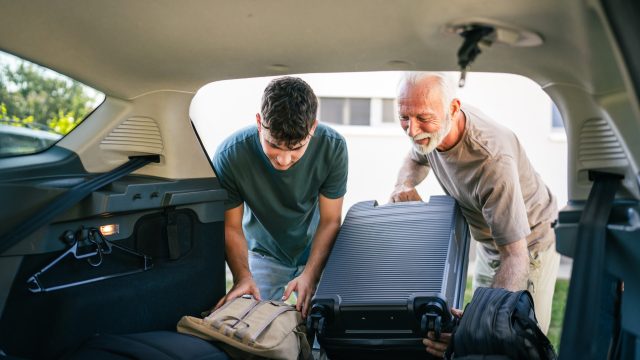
{"x":270,"y":275}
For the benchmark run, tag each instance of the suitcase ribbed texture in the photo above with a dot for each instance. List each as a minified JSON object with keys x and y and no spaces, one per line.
{"x":418,"y":240}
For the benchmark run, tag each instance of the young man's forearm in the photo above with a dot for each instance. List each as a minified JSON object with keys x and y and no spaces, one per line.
{"x":237,"y":257}
{"x":321,"y":247}
{"x":237,"y":254}
{"x":235,"y":244}
{"x":326,"y":232}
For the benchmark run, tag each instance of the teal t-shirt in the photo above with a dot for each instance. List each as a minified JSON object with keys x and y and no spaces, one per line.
{"x":281,"y":210}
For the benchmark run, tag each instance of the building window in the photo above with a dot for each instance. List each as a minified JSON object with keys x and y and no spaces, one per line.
{"x":389,"y":113}
{"x":345,"y":111}
{"x":357,"y":111}
{"x":332,"y":110}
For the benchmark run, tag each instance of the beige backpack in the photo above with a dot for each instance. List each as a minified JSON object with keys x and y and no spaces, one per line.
{"x":250,"y":329}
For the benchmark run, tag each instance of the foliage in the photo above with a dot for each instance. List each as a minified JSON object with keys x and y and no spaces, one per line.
{"x":31,"y":97}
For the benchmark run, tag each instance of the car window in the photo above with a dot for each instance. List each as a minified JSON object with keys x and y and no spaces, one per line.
{"x":38,"y":106}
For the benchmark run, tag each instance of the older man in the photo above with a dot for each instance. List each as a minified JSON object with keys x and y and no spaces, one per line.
{"x":483,"y":166}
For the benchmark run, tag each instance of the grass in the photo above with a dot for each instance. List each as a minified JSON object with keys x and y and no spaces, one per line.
{"x":557,"y":310}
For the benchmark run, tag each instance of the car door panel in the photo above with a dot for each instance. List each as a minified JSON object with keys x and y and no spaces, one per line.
{"x":617,"y":305}
{"x":177,"y":223}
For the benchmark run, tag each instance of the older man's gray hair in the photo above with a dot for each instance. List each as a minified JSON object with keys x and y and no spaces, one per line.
{"x":446,"y":84}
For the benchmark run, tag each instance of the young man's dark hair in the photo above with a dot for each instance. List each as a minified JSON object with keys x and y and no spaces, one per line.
{"x":289,"y":109}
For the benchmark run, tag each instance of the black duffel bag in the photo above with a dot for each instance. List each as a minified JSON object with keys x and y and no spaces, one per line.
{"x":503,"y":323}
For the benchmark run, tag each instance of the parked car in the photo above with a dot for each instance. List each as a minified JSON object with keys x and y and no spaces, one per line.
{"x":61,"y":281}
{"x":16,"y":140}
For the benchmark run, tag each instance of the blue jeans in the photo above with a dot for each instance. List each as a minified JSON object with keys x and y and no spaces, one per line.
{"x":270,"y":275}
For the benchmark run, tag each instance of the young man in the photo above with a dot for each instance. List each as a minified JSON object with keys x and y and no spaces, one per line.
{"x":482,"y":165}
{"x":286,"y":178}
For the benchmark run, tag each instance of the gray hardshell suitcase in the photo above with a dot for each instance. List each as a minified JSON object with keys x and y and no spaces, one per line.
{"x":392,"y":275}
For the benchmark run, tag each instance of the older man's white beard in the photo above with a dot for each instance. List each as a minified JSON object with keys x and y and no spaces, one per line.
{"x":434,"y":138}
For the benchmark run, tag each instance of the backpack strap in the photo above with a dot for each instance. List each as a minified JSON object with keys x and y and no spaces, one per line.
{"x":220,"y":323}
{"x":251,"y":337}
{"x":486,"y":327}
{"x":249,"y":309}
{"x":250,"y":306}
{"x":225,"y":328}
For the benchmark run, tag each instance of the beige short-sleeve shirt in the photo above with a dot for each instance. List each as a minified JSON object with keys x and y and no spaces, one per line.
{"x":501,"y":195}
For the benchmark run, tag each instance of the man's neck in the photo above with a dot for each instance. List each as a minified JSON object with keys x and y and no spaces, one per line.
{"x":455,"y":134}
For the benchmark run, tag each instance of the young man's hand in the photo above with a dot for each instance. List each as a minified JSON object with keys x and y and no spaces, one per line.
{"x":305,"y":286}
{"x":245,"y":286}
{"x":438,"y":347}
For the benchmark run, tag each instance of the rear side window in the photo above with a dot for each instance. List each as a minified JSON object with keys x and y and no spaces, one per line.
{"x":38,"y":106}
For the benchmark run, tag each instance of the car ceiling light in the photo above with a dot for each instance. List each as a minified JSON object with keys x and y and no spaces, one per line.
{"x":470,"y":48}
{"x":506,"y":34}
{"x":111,"y":229}
{"x":485,"y":32}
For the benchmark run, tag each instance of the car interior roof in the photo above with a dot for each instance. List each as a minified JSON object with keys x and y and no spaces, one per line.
{"x":145,"y":53}
{"x":129,"y":48}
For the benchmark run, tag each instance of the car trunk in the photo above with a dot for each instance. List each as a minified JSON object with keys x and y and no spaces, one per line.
{"x":49,"y":309}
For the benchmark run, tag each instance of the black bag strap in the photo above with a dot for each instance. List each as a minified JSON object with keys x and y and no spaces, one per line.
{"x":579,"y":328}
{"x":475,"y":333}
{"x":72,"y":196}
{"x":487,"y":327}
{"x":536,"y":337}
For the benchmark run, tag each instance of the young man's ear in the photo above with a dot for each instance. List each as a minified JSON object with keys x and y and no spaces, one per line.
{"x":259,"y":121}
{"x":313,"y":128}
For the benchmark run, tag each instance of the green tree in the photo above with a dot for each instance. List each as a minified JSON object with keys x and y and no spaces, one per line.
{"x":31,"y":96}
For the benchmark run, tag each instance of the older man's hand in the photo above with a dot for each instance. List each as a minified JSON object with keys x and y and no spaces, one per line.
{"x":438,"y":347}
{"x":404,"y":193}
